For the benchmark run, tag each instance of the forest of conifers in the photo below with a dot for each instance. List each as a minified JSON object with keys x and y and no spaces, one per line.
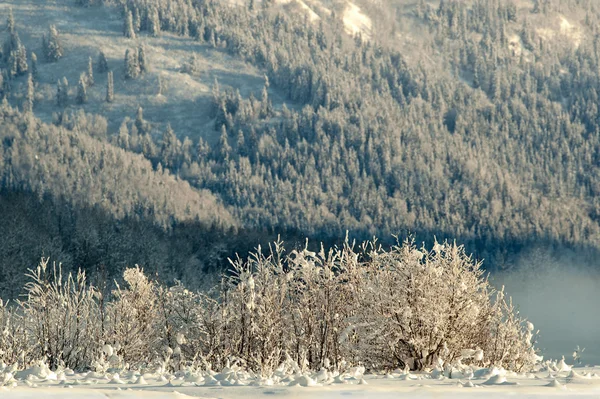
{"x":494,"y":147}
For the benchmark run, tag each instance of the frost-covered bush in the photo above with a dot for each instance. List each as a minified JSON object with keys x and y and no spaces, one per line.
{"x":422,"y":308}
{"x":132,"y":318}
{"x":60,"y":316}
{"x":334,"y":309}
{"x":14,"y":337}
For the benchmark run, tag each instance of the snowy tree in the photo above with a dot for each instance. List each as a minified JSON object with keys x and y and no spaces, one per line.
{"x":142,"y":62}
{"x":81,"y":97}
{"x":191,"y":66}
{"x":17,"y":56}
{"x":161,"y":86}
{"x":34,"y":66}
{"x":90,"y":73}
{"x":140,"y":124}
{"x":110,"y":89}
{"x":52,"y":46}
{"x":102,"y":63}
{"x":128,"y":28}
{"x":137,"y":20}
{"x":29,"y":95}
{"x":132,"y":69}
{"x":62,"y":92}
{"x":154,"y":22}
{"x":10,"y":22}
{"x":5,"y":85}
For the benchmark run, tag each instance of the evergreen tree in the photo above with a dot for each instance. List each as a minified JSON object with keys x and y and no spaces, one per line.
{"x":17,"y":55}
{"x":90,"y":73}
{"x":102,"y":63}
{"x":62,"y":92}
{"x":5,"y":86}
{"x":10,"y":21}
{"x":82,"y":90}
{"x":142,"y":62}
{"x":29,"y":95}
{"x":161,"y":86}
{"x":223,"y":149}
{"x":154,"y":22}
{"x":170,"y":147}
{"x":34,"y":66}
{"x":137,"y":20}
{"x":132,"y":69}
{"x":52,"y":46}
{"x":128,"y":29}
{"x":140,"y":124}
{"x":110,"y":89}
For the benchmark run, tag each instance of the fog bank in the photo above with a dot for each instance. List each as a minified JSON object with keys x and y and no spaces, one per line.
{"x":561,"y":296}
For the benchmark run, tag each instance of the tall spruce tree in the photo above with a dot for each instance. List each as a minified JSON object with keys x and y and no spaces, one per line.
{"x":128,"y":29}
{"x":142,"y":62}
{"x":102,"y":63}
{"x":30,"y":94}
{"x":90,"y":73}
{"x":154,"y":22}
{"x":10,"y":21}
{"x":82,"y":90}
{"x":53,"y":49}
{"x":132,"y":68}
{"x":62,"y":92}
{"x":110,"y":89}
{"x":34,"y":66}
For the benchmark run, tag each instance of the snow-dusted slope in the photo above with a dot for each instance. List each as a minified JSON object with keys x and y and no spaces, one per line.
{"x":86,"y":31}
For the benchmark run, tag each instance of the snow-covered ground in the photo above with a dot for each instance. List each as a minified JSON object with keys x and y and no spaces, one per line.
{"x":230,"y":384}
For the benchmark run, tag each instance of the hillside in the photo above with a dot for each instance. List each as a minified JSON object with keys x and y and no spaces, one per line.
{"x":471,"y":120}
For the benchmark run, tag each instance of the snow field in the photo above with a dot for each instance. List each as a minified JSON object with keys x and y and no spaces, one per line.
{"x":553,"y":379}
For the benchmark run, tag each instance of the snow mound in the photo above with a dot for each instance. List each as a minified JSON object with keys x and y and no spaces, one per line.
{"x":141,"y":381}
{"x":304,"y":381}
{"x":575,"y":378}
{"x":555,"y":384}
{"x":498,"y":380}
{"x":41,"y":371}
{"x":116,"y":379}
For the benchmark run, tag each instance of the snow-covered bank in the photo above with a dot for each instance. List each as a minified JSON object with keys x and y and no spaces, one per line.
{"x":491,"y":383}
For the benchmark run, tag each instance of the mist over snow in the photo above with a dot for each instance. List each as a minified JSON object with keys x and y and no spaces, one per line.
{"x":561,"y":296}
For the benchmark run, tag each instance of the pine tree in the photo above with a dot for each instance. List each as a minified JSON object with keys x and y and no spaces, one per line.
{"x":34,"y":67}
{"x":62,"y":92}
{"x":30,"y":95}
{"x":128,"y":29}
{"x":110,"y":89}
{"x":140,"y":123}
{"x":161,"y":86}
{"x":137,"y":20}
{"x":224,"y":149}
{"x":154,"y":22}
{"x":5,"y":86}
{"x":22,"y":65}
{"x":142,"y":63}
{"x":82,"y":90}
{"x":132,"y":69}
{"x":10,"y":21}
{"x":90,"y":73}
{"x":52,"y":46}
{"x":102,"y":63}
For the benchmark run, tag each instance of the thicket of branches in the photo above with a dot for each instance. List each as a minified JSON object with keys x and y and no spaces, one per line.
{"x":405,"y":307}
